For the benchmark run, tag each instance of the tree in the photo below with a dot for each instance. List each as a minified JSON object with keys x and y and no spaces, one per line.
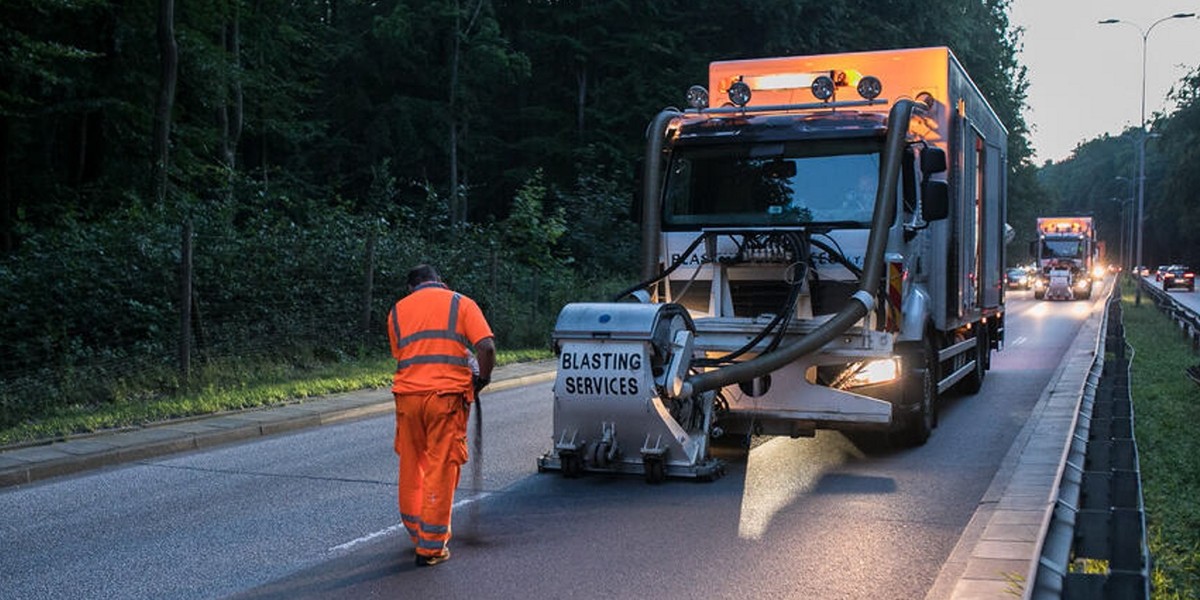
{"x":169,"y":57}
{"x":48,"y":130}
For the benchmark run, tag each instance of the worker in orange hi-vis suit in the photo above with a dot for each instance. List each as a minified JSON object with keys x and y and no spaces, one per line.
{"x":432,"y":330}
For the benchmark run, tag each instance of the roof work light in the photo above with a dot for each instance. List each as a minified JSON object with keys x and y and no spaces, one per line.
{"x":739,"y":93}
{"x":822,"y":87}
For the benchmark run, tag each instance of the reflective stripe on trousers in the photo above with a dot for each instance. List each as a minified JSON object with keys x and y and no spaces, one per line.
{"x":431,"y":440}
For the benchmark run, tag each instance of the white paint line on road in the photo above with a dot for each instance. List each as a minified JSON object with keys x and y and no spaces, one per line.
{"x":366,"y":538}
{"x":394,"y":528}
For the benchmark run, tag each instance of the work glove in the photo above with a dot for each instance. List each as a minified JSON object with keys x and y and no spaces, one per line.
{"x":479,"y":383}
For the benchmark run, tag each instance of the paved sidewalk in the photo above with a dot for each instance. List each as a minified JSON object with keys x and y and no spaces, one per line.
{"x":91,"y":451}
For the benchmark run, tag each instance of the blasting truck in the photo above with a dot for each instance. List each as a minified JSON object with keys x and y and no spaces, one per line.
{"x":814,"y":256}
{"x":1066,"y":252}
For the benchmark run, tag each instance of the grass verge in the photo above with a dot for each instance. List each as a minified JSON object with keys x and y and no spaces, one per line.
{"x":219,"y":388}
{"x":1166,"y":411}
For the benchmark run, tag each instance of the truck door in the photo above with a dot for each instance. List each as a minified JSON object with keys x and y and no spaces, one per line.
{"x":993,"y":220}
{"x":969,"y":220}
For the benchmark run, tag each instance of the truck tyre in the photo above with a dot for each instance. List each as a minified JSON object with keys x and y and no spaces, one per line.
{"x":1038,"y":295}
{"x":974,"y":380}
{"x":920,"y":390}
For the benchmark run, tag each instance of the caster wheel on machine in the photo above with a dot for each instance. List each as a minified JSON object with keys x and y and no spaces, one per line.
{"x":572,"y":465}
{"x":656,"y":471}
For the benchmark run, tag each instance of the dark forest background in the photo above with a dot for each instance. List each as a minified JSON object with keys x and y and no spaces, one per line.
{"x":305,"y":153}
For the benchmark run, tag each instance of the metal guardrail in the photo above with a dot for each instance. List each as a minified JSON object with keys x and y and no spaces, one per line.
{"x":1095,"y":544}
{"x":1185,"y":317}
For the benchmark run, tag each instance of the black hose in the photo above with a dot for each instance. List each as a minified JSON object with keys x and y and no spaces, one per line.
{"x":651,"y":218}
{"x":837,"y":256}
{"x":675,"y":265}
{"x":780,"y":322}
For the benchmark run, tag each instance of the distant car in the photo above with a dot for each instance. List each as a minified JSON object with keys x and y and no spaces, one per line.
{"x":1179,"y":276}
{"x":1018,"y":278}
{"x":1158,"y":273}
{"x":1141,"y":270}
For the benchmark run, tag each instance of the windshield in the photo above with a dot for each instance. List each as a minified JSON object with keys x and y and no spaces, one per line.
{"x":773,"y":184}
{"x":1062,"y":248}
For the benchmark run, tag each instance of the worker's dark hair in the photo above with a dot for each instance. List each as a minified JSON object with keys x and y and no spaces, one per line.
{"x":422,"y":274}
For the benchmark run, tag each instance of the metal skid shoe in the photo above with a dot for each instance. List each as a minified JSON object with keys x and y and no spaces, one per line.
{"x":618,"y":397}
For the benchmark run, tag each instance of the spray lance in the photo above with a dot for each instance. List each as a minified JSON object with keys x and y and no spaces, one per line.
{"x":471,"y":531}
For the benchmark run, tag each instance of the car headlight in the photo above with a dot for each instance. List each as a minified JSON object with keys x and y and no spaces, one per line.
{"x":872,"y":372}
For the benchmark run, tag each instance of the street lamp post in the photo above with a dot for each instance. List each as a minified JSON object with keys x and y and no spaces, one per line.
{"x":1127,"y":229}
{"x":1141,"y":179}
{"x":1121,"y":234}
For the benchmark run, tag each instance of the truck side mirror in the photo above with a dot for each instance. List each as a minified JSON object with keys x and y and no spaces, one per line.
{"x":935,"y":200}
{"x":933,"y":160}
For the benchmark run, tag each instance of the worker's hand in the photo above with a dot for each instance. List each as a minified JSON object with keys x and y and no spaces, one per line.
{"x":479,"y":383}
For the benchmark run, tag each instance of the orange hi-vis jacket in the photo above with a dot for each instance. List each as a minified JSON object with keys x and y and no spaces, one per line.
{"x":430,"y":330}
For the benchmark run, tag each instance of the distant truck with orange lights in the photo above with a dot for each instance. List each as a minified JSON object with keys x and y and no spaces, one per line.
{"x":815,"y":256}
{"x":1066,"y":252}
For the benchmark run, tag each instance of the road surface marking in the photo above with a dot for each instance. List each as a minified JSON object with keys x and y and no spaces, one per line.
{"x":394,"y":528}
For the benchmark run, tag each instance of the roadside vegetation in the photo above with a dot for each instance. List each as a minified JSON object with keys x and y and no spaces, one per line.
{"x":232,"y":385}
{"x":1166,"y":409}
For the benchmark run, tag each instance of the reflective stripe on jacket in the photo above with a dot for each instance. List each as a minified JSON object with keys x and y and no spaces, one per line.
{"x":431,"y":331}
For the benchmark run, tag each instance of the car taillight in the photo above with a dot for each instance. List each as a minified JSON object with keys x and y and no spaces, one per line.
{"x":1189,"y":275}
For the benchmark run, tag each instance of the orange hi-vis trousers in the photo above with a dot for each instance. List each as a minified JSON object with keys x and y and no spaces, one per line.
{"x":431,"y":440}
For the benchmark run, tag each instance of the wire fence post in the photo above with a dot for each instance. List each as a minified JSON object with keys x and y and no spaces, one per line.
{"x":185,"y":303}
{"x":369,"y":287}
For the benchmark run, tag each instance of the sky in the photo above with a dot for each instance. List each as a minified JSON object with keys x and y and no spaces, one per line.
{"x":1085,"y":78}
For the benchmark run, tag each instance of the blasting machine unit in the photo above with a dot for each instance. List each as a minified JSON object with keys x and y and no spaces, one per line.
{"x":810,"y":261}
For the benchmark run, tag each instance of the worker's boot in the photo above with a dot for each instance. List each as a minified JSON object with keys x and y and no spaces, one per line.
{"x":436,"y":559}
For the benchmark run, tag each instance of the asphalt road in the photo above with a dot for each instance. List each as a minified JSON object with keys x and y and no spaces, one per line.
{"x":1182,"y":295}
{"x":312,"y":514}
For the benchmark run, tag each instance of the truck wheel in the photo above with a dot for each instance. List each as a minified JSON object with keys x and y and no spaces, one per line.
{"x":974,"y":380}
{"x":1038,"y":295}
{"x":921,"y":390}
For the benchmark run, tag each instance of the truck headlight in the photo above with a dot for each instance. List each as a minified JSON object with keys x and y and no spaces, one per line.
{"x":872,"y":372}
{"x":1083,"y":282}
